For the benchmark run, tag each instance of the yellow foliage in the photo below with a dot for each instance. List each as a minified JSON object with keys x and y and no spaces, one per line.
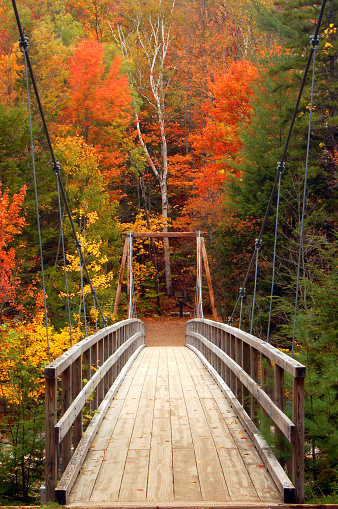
{"x":29,"y":341}
{"x":11,"y":65}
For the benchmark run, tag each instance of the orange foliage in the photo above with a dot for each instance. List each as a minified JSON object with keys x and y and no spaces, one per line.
{"x":95,"y":96}
{"x":218,"y":142}
{"x":228,"y":106}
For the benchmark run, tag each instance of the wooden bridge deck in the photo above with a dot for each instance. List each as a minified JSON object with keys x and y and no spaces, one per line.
{"x":170,"y":436}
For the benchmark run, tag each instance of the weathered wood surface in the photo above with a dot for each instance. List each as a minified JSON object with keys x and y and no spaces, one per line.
{"x":170,"y":437}
{"x":284,"y":423}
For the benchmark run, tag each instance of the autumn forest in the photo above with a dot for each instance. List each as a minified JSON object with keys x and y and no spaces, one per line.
{"x":166,"y":115}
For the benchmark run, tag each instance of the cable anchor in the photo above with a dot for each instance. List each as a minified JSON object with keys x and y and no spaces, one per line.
{"x":314,"y":41}
{"x":23,"y":44}
{"x":56,"y":169}
{"x":242,"y":292}
{"x":280,"y":167}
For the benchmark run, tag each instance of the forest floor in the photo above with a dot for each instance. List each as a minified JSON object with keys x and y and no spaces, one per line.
{"x":165,"y":332}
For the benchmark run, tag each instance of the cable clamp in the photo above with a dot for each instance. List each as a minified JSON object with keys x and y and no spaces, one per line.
{"x":104,"y":321}
{"x":258,"y":244}
{"x":77,"y":244}
{"x":56,"y":169}
{"x":280,"y":167}
{"x":314,"y":41}
{"x":230,"y":320}
{"x":242,"y":292}
{"x":93,"y":292}
{"x":23,"y":44}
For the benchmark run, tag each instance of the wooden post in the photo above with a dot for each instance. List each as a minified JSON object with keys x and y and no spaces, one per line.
{"x":239,"y":360}
{"x":232,"y":354}
{"x":119,"y":284}
{"x":77,"y":386}
{"x":298,"y":445}
{"x":254,"y":358}
{"x":50,"y":445}
{"x":94,"y":358}
{"x":246,"y":367}
{"x":279,"y":401}
{"x":66,"y":395}
{"x":207,"y":272}
{"x":100,"y":361}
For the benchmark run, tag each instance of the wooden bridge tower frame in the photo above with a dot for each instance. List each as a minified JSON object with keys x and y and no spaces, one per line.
{"x":201,"y":252}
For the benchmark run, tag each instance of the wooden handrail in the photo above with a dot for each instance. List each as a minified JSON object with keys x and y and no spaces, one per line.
{"x":85,"y":376}
{"x":239,"y":362}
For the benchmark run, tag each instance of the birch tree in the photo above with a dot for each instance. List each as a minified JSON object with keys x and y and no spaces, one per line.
{"x":144,"y":36}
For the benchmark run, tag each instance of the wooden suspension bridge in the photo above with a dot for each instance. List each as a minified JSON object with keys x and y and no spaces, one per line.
{"x":172,"y":426}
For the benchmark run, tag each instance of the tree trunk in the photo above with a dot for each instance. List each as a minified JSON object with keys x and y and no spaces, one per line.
{"x":167,"y":266}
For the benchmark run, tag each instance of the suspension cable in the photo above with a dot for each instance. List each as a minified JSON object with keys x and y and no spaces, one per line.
{"x":258,"y":245}
{"x":82,"y":295}
{"x":55,"y":164}
{"x":312,"y":49}
{"x":280,"y":170}
{"x":65,"y":265}
{"x":24,"y":48}
{"x":314,"y":46}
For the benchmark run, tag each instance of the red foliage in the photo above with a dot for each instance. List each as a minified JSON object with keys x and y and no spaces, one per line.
{"x":11,"y":224}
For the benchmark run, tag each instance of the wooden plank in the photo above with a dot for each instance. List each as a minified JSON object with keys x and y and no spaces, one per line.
{"x":134,"y":482}
{"x":186,"y":481}
{"x":236,"y":476}
{"x":282,"y":420}
{"x":68,"y":478}
{"x":180,"y":433}
{"x":207,"y":272}
{"x":87,"y":477}
{"x":283,"y":484}
{"x":210,"y":474}
{"x":261,"y":479}
{"x":120,"y":280}
{"x":100,"y":442}
{"x":219,"y":430}
{"x":162,"y":405}
{"x":160,"y":476}
{"x":143,"y":423}
{"x":109,"y":480}
{"x":161,"y":235}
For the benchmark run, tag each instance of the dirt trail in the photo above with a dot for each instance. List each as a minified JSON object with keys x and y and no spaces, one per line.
{"x":169,"y":332}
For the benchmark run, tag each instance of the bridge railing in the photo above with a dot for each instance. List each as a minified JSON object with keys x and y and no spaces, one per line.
{"x":79,"y":385}
{"x":251,"y":374}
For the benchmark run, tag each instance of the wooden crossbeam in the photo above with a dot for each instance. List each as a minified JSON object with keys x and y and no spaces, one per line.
{"x":162,"y":235}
